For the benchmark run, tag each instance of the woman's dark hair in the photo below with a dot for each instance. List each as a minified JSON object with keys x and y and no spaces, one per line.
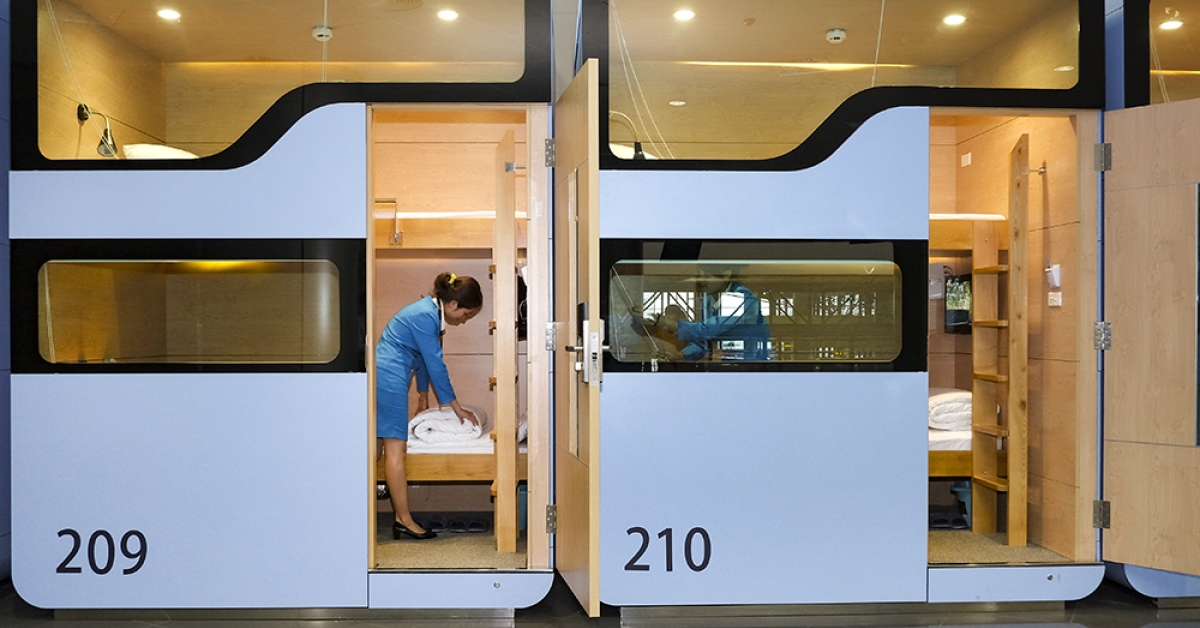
{"x":450,"y":287}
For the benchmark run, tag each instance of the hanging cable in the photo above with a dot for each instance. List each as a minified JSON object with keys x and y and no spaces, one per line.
{"x":634,"y":84}
{"x":878,"y":41}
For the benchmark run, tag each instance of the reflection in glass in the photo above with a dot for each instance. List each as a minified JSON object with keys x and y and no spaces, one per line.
{"x":188,"y":312}
{"x":196,"y":82}
{"x":752,"y":80}
{"x":755,"y":311}
{"x":1174,"y":51}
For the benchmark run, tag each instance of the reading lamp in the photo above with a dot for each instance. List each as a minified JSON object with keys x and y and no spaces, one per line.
{"x":107,"y":147}
{"x":637,"y":146}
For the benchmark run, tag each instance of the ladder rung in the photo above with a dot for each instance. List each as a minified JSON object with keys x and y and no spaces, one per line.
{"x":995,"y":324}
{"x":999,"y":485}
{"x":999,"y":269}
{"x":991,"y":377}
{"x":991,"y":430}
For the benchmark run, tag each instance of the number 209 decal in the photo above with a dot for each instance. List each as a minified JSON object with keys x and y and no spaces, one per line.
{"x":102,"y":552}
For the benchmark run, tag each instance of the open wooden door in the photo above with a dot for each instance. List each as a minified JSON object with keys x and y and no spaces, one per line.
{"x":1151,"y":458}
{"x":579,"y":336}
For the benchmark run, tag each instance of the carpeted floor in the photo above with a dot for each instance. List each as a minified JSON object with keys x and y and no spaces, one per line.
{"x":963,"y":547}
{"x":450,"y":550}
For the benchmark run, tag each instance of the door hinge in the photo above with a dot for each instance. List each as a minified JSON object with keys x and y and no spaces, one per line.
{"x":550,"y":152}
{"x":551,"y":518}
{"x":551,"y":336}
{"x":1101,"y":514}
{"x":1102,"y":336}
{"x":1103,"y":157}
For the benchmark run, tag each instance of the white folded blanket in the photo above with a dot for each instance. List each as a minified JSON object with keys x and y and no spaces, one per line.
{"x":949,"y":409}
{"x":441,"y":425}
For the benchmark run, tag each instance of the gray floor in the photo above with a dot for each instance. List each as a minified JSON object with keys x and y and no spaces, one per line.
{"x":1111,"y":606}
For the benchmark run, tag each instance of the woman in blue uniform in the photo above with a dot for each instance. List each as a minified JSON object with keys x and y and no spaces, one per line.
{"x":411,"y":344}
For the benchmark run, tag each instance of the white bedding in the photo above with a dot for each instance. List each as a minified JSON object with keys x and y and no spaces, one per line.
{"x":949,"y":409}
{"x":481,"y":444}
{"x":949,"y":440}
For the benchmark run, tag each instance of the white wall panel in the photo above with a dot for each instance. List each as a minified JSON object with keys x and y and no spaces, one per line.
{"x":311,"y":184}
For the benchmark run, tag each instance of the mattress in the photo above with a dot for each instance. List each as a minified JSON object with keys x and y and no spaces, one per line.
{"x":949,"y":440}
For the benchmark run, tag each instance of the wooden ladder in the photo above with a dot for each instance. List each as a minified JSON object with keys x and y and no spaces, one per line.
{"x":999,"y":460}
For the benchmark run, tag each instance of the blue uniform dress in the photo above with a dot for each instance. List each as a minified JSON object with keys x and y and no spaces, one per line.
{"x":745,"y":323}
{"x":411,"y":343}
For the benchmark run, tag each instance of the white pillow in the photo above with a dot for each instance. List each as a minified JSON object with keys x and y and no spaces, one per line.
{"x":949,"y":409}
{"x":156,"y":151}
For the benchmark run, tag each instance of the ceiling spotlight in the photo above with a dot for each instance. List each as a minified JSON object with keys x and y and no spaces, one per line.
{"x":1171,"y":25}
{"x":954,"y":20}
{"x":1064,"y":68}
{"x":168,"y":14}
{"x":684,"y":14}
{"x":677,"y":103}
{"x":448,"y":15}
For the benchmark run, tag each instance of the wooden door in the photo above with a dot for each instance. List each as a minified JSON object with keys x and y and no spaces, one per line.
{"x":578,"y":335}
{"x":1151,"y":459}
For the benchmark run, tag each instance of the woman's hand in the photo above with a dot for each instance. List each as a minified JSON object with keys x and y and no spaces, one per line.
{"x":463,"y":414}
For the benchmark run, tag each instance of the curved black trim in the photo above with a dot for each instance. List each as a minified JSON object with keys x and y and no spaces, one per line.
{"x":912,"y":256}
{"x":1088,"y":93}
{"x":349,"y":255}
{"x":534,"y":86}
{"x":1136,"y":18}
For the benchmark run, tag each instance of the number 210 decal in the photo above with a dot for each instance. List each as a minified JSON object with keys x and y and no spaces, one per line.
{"x":667,"y":535}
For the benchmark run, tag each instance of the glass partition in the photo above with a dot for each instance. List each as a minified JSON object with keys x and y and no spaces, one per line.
{"x":188,"y":312}
{"x":752,"y":80}
{"x":1174,"y":51}
{"x":755,"y":311}
{"x":166,"y":81}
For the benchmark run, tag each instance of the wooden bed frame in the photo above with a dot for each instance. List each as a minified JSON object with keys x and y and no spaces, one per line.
{"x":949,"y":464}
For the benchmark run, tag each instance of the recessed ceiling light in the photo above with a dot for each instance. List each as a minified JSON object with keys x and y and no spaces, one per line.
{"x":677,"y":103}
{"x":684,"y":14}
{"x":448,"y":15}
{"x":1170,"y":25}
{"x":168,"y":14}
{"x":1064,"y":68}
{"x":954,"y":20}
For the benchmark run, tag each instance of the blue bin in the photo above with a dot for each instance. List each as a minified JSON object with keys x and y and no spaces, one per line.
{"x":962,"y":490}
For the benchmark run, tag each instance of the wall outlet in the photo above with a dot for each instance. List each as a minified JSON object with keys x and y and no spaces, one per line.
{"x":1055,"y":299}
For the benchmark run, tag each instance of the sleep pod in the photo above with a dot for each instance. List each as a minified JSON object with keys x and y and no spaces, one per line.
{"x":801,"y":474}
{"x":210,"y":225}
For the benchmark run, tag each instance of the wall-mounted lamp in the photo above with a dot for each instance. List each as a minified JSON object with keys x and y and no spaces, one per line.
{"x":107,"y":147}
{"x":637,"y":146}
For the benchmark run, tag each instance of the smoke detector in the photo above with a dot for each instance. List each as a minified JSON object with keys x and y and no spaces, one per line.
{"x":835,"y":35}
{"x":322,"y":33}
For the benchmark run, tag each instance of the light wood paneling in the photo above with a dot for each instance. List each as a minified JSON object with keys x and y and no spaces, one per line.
{"x":1151,"y":304}
{"x":1028,"y":57}
{"x":1139,"y":163}
{"x":1086,"y":387}
{"x":942,"y":162}
{"x":1153,"y":491}
{"x":539,"y":359}
{"x":1052,"y":329}
{"x":1054,"y":433}
{"x":1051,"y":514}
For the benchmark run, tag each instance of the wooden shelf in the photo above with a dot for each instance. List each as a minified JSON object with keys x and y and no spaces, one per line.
{"x":999,"y":485}
{"x":990,"y":324}
{"x":990,"y":377}
{"x":990,"y":430}
{"x":999,"y":269}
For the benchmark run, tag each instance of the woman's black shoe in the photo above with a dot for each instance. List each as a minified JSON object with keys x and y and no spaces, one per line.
{"x":399,"y":528}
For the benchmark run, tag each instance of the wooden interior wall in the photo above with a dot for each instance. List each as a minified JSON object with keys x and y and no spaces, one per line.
{"x":1028,"y":58}
{"x":949,"y":354}
{"x":114,"y":78}
{"x":1056,"y":419}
